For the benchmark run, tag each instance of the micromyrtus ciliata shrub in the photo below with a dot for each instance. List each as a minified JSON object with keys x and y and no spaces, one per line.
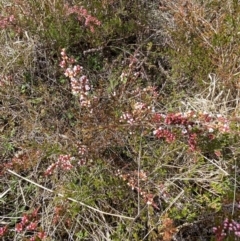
{"x":104,"y":134}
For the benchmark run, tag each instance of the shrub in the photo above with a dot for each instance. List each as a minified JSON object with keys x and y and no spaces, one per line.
{"x":100,"y":147}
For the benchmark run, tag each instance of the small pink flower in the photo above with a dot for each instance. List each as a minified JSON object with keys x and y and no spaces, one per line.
{"x":63,"y":64}
{"x":3,"y":230}
{"x":19,"y":227}
{"x":63,"y":52}
{"x":32,"y":226}
{"x":24,"y":219}
{"x":42,"y":235}
{"x":11,"y":18}
{"x":50,"y":169}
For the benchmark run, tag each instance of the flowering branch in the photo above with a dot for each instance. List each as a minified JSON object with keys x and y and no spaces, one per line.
{"x":132,"y":181}
{"x":228,"y":226}
{"x":82,"y":14}
{"x":6,"y":21}
{"x":79,"y":83}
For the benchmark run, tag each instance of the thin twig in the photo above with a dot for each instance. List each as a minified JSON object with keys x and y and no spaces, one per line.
{"x":235,"y":187}
{"x":139,"y":169}
{"x":4,"y":193}
{"x":24,"y":200}
{"x":68,"y":198}
{"x":215,"y":164}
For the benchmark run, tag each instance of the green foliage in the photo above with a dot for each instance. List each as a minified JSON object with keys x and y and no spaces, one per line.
{"x":49,"y":22}
{"x":95,"y":62}
{"x":121,"y":22}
